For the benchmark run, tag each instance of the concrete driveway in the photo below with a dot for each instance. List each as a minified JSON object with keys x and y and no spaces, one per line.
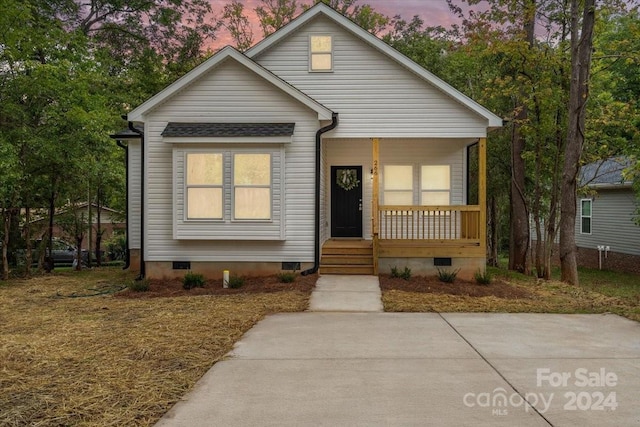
{"x":417,"y":369}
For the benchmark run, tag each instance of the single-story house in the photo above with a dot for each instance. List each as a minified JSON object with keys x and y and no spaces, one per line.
{"x":607,"y":234}
{"x":110,"y":224}
{"x":321,"y":147}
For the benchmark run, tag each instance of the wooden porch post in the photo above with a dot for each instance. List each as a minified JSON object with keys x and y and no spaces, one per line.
{"x":375,"y":198}
{"x":482,"y":192}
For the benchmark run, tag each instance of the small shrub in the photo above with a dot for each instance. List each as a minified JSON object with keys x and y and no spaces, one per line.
{"x":236,"y":282}
{"x":192,"y":280}
{"x":404,"y":274}
{"x":116,"y":248}
{"x":287,"y":277}
{"x":139,"y":285}
{"x":447,"y":276}
{"x":483,"y":278}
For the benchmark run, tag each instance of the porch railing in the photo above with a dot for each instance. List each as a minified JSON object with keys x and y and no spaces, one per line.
{"x":435,"y":223}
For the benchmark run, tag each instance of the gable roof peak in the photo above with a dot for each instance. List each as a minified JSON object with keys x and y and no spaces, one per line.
{"x":493,"y":121}
{"x":224,"y":54}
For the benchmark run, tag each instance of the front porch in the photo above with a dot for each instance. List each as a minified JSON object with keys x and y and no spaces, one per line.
{"x":415,"y":236}
{"x":421,"y":237}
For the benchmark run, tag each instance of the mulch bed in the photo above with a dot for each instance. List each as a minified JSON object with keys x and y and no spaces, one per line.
{"x":498,"y":288}
{"x":252,"y":285}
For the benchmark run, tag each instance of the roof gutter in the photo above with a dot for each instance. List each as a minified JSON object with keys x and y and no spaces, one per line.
{"x":610,"y":185}
{"x":319,"y":133}
{"x":132,"y":128}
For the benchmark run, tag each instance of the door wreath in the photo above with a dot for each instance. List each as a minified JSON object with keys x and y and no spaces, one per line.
{"x":347,"y":179}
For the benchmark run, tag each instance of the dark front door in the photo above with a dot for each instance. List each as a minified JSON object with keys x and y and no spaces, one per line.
{"x":346,"y":201}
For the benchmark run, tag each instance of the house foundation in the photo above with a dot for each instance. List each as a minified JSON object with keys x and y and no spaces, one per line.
{"x":214,"y":270}
{"x":466,"y":267}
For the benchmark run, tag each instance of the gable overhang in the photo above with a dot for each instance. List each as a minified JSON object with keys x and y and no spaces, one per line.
{"x":321,"y":9}
{"x":611,"y":186}
{"x":225,"y":54}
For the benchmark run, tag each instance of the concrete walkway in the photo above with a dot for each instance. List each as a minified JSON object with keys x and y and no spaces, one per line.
{"x":346,"y":293}
{"x":415,"y":369}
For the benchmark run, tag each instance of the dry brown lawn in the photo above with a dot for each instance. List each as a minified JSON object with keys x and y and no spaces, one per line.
{"x":73,"y":354}
{"x":508,"y":293}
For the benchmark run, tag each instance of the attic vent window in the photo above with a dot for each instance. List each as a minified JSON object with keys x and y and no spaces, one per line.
{"x":320,"y":53}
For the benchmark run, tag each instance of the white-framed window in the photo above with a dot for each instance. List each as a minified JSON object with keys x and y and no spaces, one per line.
{"x":435,"y":185}
{"x":320,"y":53}
{"x":397,"y":183}
{"x":585,"y":216}
{"x":252,"y":186}
{"x":399,"y":186}
{"x":204,"y":188}
{"x":228,"y":185}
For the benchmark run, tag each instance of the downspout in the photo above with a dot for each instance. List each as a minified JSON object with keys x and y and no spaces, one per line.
{"x":132,"y":128}
{"x":127,"y":259}
{"x":316,"y":257}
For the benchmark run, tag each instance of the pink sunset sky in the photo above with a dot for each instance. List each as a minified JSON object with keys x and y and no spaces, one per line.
{"x":432,"y":12}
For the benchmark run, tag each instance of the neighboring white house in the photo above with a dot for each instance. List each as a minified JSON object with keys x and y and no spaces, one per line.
{"x":321,"y":146}
{"x":607,"y":235}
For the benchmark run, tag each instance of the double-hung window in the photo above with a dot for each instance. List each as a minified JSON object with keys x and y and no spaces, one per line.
{"x":320,"y":53}
{"x":435,"y":185}
{"x":398,"y":185}
{"x":585,"y":216}
{"x":252,"y":186}
{"x":204,"y":185}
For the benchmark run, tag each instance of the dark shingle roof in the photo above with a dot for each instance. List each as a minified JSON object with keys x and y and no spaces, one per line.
{"x":174,"y":129}
{"x":609,"y":171}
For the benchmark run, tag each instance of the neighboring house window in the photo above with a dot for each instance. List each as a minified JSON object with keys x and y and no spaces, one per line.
{"x":320,"y":53}
{"x":204,"y":185}
{"x":398,"y":185}
{"x":585,"y":216}
{"x":252,"y":186}
{"x":435,"y":185}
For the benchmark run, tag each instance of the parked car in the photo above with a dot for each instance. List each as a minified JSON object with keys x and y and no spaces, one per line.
{"x":64,"y":253}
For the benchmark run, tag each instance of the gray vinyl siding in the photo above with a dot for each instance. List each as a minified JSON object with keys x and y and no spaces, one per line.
{"x":134,"y":193}
{"x":231,"y":93}
{"x":611,"y":222}
{"x":373,"y":94}
{"x":393,"y":151}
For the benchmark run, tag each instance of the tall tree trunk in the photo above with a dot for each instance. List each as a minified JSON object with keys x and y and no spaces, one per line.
{"x":6,"y":221}
{"x":90,"y":229}
{"x":52,"y":211}
{"x":28,"y":256}
{"x":79,"y":239}
{"x":99,"y":230}
{"x":581,"y":46}
{"x":519,"y":215}
{"x":493,"y":233}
